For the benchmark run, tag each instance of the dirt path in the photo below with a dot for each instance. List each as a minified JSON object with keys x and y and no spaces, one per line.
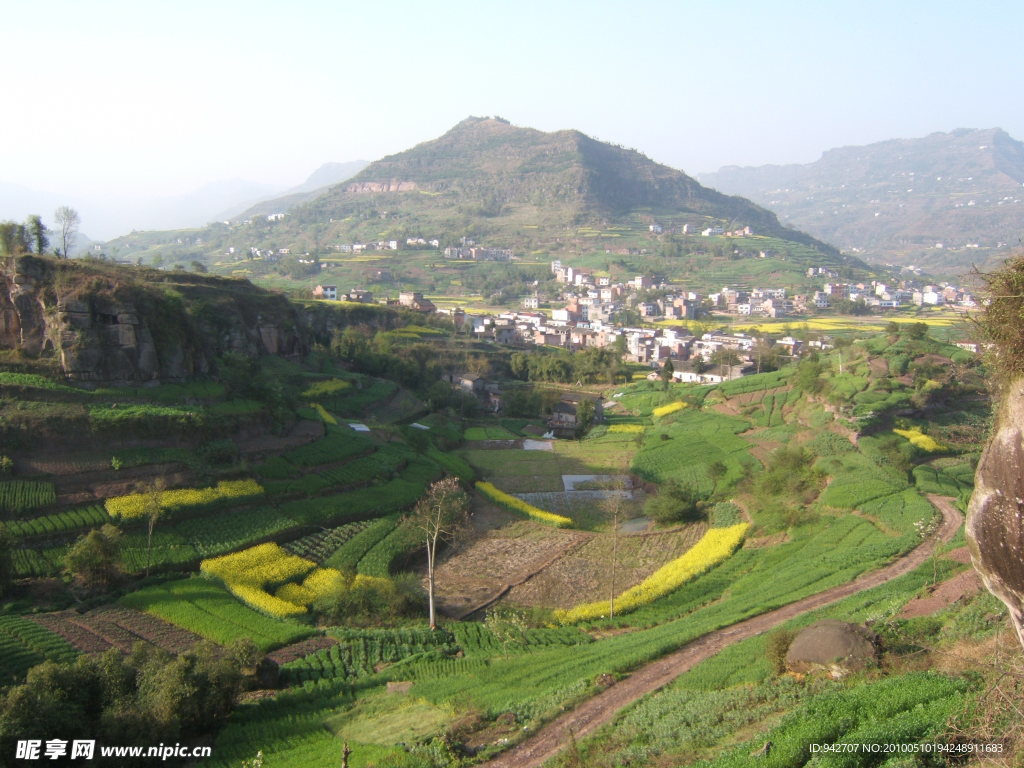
{"x":599,"y":710}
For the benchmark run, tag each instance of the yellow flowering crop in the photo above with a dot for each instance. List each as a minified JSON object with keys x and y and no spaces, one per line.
{"x":295,"y":593}
{"x":921,"y":440}
{"x":324,"y":415}
{"x":265,"y":602}
{"x":327,"y":387}
{"x":665,"y":410}
{"x":715,"y":546}
{"x":247,"y":573}
{"x":324,"y":582}
{"x":259,"y":565}
{"x":133,"y":505}
{"x":518,"y":505}
{"x":626,"y":428}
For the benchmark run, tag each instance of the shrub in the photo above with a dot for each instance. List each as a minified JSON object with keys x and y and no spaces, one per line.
{"x":675,"y":502}
{"x":775,"y":647}
{"x":371,"y":598}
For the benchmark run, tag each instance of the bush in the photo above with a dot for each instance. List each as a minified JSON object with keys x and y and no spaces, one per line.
{"x":371,"y":599}
{"x":676,"y":502}
{"x":775,"y":647}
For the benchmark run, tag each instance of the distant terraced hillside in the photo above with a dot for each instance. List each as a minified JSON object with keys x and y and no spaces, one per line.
{"x":945,"y":201}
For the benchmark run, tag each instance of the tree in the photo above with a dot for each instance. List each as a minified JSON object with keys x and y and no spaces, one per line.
{"x":441,"y":516}
{"x":675,"y":503}
{"x":584,"y":416}
{"x":152,"y":511}
{"x":726,"y":357}
{"x":508,"y":625}
{"x":614,"y":506}
{"x":666,"y":373}
{"x":13,"y":239}
{"x":92,"y":561}
{"x":67,"y":220}
{"x":37,"y":233}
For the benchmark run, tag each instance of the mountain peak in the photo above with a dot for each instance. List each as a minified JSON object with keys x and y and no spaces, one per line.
{"x":499,"y":178}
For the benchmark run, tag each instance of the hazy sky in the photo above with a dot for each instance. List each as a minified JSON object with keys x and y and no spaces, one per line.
{"x":110,"y":101}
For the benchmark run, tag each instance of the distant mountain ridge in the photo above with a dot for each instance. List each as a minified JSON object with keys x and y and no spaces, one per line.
{"x":323,"y":177}
{"x":943,"y":201}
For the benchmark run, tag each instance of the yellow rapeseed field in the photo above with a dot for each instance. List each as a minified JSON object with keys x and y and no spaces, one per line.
{"x":263,"y":564}
{"x":921,"y":440}
{"x":518,"y":505}
{"x":714,"y":547}
{"x":250,"y":573}
{"x":665,"y":410}
{"x":133,"y":505}
{"x":324,"y":415}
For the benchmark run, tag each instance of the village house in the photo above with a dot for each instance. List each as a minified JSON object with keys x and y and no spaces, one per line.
{"x":328,"y":292}
{"x":566,"y":413}
{"x":414,"y":300}
{"x":697,"y":372}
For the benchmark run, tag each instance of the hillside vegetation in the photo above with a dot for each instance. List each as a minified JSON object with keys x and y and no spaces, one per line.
{"x":258,"y":516}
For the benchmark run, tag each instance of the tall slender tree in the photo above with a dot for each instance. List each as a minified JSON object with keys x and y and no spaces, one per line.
{"x":67,"y":220}
{"x":38,"y":234}
{"x":441,"y":516}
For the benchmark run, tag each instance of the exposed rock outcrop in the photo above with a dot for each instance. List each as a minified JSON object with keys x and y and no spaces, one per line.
{"x":995,"y":518}
{"x":831,"y":646}
{"x":113,"y":326}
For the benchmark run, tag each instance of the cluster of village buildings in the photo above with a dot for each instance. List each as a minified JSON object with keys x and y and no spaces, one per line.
{"x":591,"y":304}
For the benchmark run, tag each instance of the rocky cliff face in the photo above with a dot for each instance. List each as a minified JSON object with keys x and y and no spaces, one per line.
{"x":995,"y":518}
{"x":106,"y":326}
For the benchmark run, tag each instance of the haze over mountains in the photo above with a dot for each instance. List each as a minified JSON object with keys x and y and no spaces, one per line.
{"x":944,"y":201}
{"x":108,"y":218}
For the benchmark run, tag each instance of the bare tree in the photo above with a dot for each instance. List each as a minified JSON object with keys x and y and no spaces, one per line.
{"x":152,"y":510}
{"x":615,"y":509}
{"x":68,"y":220}
{"x":441,"y":515}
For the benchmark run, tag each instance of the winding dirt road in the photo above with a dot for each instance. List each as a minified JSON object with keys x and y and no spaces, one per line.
{"x":595,"y":712}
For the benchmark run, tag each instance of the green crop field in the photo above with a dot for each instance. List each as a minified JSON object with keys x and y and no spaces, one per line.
{"x":210,"y":611}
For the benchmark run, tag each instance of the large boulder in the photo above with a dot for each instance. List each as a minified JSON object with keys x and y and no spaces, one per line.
{"x":831,"y":646}
{"x":995,"y":517}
